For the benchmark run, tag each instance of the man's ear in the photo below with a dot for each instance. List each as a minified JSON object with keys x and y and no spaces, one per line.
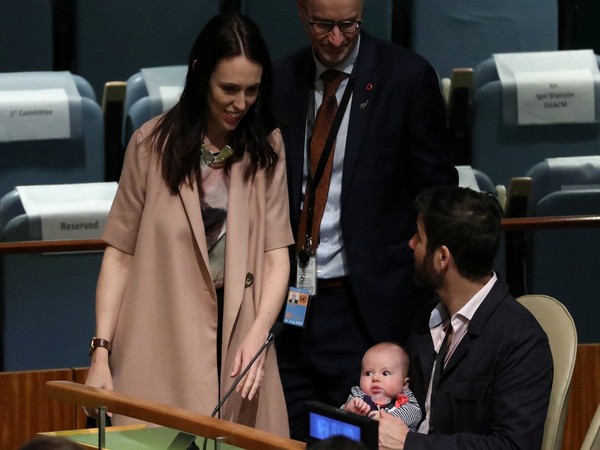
{"x":194,"y":64}
{"x":443,"y":257}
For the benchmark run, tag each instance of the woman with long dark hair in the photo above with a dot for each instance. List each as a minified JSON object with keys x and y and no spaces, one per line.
{"x":196,"y":267}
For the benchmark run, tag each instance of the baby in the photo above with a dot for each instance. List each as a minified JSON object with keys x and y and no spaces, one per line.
{"x":384,"y":384}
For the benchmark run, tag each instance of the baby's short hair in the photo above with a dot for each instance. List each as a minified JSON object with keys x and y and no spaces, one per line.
{"x":392,"y":345}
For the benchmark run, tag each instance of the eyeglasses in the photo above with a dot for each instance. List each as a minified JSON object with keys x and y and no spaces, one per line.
{"x":345,"y":26}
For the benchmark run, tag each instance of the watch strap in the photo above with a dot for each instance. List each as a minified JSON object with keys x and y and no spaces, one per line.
{"x":99,"y":342}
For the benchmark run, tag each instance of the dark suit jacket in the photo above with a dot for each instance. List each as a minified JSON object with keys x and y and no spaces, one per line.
{"x":495,"y":388}
{"x":397,"y":146}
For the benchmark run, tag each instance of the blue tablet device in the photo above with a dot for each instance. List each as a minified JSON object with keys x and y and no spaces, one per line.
{"x":325,"y":421}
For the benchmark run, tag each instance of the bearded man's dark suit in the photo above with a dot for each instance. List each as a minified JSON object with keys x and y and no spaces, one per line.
{"x":495,"y":388}
{"x":397,"y":145}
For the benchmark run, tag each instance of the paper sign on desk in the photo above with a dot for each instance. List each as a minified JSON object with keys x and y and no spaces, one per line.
{"x":560,"y":96}
{"x":541,"y":88}
{"x":34,"y":115}
{"x":69,"y":211}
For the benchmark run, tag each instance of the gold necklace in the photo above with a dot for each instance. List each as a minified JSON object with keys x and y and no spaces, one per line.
{"x":211,"y":159}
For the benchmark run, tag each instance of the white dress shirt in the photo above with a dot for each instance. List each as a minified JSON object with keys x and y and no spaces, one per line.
{"x":331,"y":259}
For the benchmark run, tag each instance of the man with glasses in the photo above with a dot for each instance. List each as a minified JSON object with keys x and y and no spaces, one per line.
{"x":384,"y":141}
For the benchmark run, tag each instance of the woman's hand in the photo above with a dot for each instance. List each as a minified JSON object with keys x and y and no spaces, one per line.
{"x":99,"y":376}
{"x":252,"y":381}
{"x":274,"y":287}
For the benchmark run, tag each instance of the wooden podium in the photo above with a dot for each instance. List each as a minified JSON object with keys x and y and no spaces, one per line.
{"x":222,"y":431}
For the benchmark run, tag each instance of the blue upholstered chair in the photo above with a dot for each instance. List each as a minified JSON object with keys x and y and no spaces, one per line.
{"x":566,"y":173}
{"x":504,"y":151}
{"x":461,"y":34}
{"x":561,"y":262}
{"x":150,"y":92}
{"x":475,"y":179}
{"x":47,"y":300}
{"x":74,"y":158}
{"x":486,"y":71}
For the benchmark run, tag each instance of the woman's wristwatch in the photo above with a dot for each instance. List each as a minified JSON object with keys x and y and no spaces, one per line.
{"x":99,"y":342}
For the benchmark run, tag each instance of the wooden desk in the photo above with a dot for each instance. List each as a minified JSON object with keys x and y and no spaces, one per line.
{"x":200,"y":425}
{"x":140,"y":437}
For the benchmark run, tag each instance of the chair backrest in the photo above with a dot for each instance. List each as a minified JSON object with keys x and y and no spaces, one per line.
{"x":592,"y":437}
{"x":475,"y":179}
{"x":39,"y":212}
{"x":504,"y":151}
{"x":486,"y":71}
{"x":568,"y":173}
{"x":558,"y":324}
{"x":76,"y":159}
{"x":564,"y":187}
{"x":461,"y":34}
{"x":68,"y":279}
{"x":116,"y":38}
{"x":560,"y":261}
{"x":283,"y":31}
{"x":141,"y":111}
{"x":484,"y":182}
{"x":26,"y":35}
{"x":10,"y":207}
{"x":139,"y":86}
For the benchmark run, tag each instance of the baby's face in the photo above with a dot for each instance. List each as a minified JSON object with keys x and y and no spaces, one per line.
{"x":383,"y":371}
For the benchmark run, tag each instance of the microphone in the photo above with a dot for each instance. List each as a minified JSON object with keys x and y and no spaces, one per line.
{"x":275,"y":331}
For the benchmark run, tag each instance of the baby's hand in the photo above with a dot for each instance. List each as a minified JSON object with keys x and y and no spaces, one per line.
{"x":358,"y":406}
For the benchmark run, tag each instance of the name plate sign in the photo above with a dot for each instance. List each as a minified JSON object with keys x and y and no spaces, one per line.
{"x":560,"y":96}
{"x":69,"y":211}
{"x":549,"y":87}
{"x":34,"y":115}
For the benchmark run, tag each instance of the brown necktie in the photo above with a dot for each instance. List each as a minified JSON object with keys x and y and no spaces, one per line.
{"x":323,"y":121}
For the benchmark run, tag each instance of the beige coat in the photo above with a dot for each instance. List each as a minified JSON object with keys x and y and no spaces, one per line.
{"x":164,"y":346}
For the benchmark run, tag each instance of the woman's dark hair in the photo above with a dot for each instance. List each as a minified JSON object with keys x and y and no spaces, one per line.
{"x":180,"y":132}
{"x":465,"y":221}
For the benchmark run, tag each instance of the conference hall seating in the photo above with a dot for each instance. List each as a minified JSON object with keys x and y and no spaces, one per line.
{"x":150,"y":92}
{"x":461,"y":34}
{"x":562,"y":262}
{"x":504,"y":150}
{"x":55,"y":133}
{"x":47,"y":299}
